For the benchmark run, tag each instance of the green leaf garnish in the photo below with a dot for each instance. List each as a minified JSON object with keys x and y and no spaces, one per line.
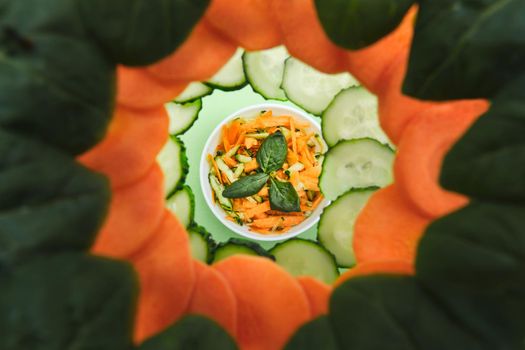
{"x":283,"y":196}
{"x":246,"y":186}
{"x":272,"y":153}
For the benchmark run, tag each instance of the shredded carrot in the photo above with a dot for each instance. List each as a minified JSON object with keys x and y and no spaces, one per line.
{"x":282,"y":213}
{"x":260,"y":208}
{"x":292,"y":157}
{"x":294,"y":140}
{"x":263,"y":192}
{"x":312,"y":172}
{"x":250,"y":142}
{"x":225,"y":141}
{"x":229,"y":161}
{"x":233,"y":131}
{"x":240,"y":139}
{"x":251,"y":165}
{"x":225,"y":179}
{"x":317,"y":200}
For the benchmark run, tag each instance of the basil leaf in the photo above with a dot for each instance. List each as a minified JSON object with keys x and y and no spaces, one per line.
{"x":192,"y":332}
{"x":465,"y":49}
{"x":246,"y":186}
{"x":272,"y":153}
{"x":283,"y":196}
{"x":354,"y":24}
{"x":67,"y":301}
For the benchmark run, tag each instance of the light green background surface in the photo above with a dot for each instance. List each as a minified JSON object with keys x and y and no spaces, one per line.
{"x":217,"y":106}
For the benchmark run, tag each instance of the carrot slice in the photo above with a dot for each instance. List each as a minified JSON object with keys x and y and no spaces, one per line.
{"x":368,"y":64}
{"x":376,"y":267}
{"x":305,"y":38}
{"x":248,"y":23}
{"x":388,"y":228}
{"x":198,"y":59}
{"x":166,"y":274}
{"x":396,"y":110}
{"x":132,"y":142}
{"x":271,"y":304}
{"x":213,"y":297}
{"x":135,"y":212}
{"x":137,"y":88}
{"x":317,"y":293}
{"x":422,"y":150}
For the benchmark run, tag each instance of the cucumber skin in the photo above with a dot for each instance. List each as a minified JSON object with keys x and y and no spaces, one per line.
{"x":316,"y":244}
{"x":319,"y":238}
{"x":210,"y":242}
{"x":194,"y":98}
{"x":227,"y":88}
{"x":184,"y":164}
{"x":187,"y":189}
{"x":348,"y":141}
{"x":254,"y":86}
{"x":183,"y":131}
{"x":255,"y":247}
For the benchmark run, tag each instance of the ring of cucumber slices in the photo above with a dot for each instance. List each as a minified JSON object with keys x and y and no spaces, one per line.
{"x":358,"y":162}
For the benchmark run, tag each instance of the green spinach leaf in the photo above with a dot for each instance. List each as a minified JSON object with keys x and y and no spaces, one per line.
{"x":465,"y":49}
{"x":67,"y":301}
{"x":49,"y":202}
{"x":246,"y":186}
{"x":355,"y":24}
{"x":314,"y":335}
{"x":140,"y":32}
{"x":489,"y":160}
{"x":272,"y":153}
{"x":283,"y":196}
{"x":57,"y":85}
{"x":192,"y":332}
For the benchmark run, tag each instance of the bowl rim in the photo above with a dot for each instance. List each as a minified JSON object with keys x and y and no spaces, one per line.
{"x":204,"y":169}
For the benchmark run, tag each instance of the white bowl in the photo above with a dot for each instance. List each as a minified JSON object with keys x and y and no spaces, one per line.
{"x":209,"y":148}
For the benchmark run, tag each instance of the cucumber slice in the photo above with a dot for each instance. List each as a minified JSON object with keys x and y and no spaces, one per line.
{"x":301,"y":257}
{"x":182,"y":116}
{"x":264,"y":71}
{"x":311,"y":89}
{"x":174,"y":164}
{"x":201,"y":243}
{"x":335,"y":230}
{"x":352,"y":114}
{"x":182,"y":204}
{"x":356,"y":163}
{"x":236,"y":246}
{"x":193,"y":92}
{"x":231,"y":75}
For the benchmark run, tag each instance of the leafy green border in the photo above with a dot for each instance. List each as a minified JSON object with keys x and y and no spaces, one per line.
{"x":58,"y":60}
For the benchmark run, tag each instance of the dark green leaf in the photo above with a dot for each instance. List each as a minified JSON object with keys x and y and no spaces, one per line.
{"x":272,"y":153}
{"x":140,"y":32}
{"x":489,"y":160}
{"x":48,"y":202}
{"x":57,"y":86}
{"x":480,"y":247}
{"x":315,"y":335}
{"x":246,"y":186}
{"x":465,"y":48}
{"x":407,"y":317}
{"x":354,"y":24}
{"x":283,"y":196}
{"x":192,"y":332}
{"x":68,"y":301}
